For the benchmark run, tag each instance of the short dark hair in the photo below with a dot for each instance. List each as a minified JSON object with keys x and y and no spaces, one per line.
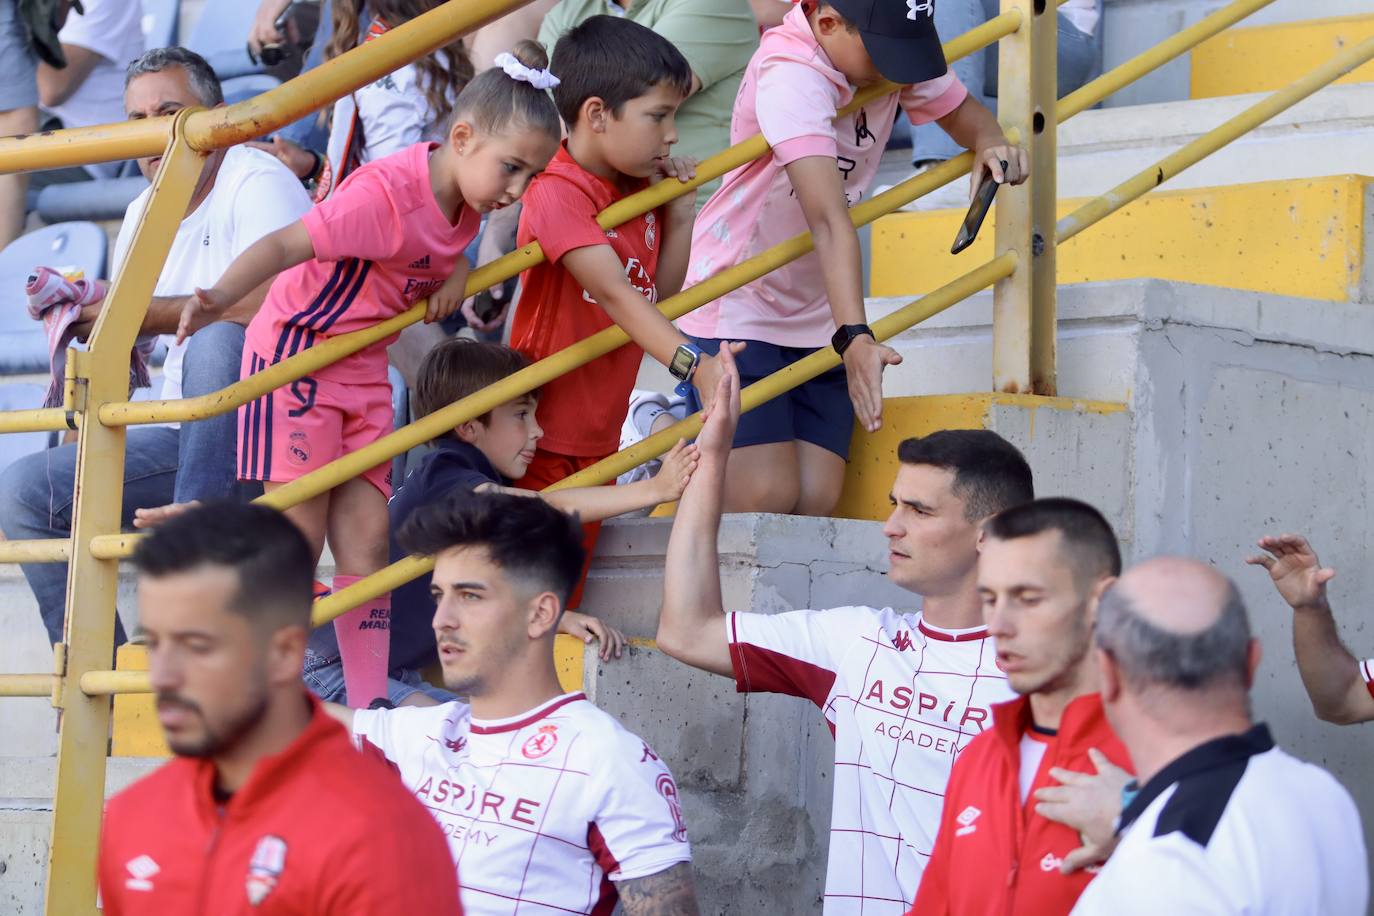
{"x":1151,"y":656}
{"x":615,"y":60}
{"x":1089,"y":542}
{"x":528,"y":538}
{"x":204,"y":82}
{"x":990,"y":474}
{"x":458,"y":367}
{"x":273,"y":560}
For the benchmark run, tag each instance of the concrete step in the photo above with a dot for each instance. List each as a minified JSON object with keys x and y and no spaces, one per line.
{"x":1132,"y":26}
{"x":1297,"y":237}
{"x":1268,"y":57}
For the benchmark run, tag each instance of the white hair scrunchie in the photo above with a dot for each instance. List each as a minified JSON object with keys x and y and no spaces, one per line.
{"x":539,"y":79}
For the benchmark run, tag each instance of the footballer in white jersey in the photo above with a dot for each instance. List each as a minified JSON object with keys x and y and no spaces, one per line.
{"x":543,"y":812}
{"x":902,"y":698}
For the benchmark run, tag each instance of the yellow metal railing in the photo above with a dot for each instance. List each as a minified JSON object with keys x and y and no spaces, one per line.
{"x":1024,"y":320}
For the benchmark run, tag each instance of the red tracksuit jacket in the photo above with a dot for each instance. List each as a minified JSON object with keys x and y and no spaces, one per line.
{"x":320,"y":828}
{"x":993,"y":855}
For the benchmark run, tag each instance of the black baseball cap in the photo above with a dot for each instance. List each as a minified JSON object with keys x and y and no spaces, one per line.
{"x":899,"y":35}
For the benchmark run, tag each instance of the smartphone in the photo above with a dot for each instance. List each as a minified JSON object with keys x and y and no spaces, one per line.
{"x":977,"y":211}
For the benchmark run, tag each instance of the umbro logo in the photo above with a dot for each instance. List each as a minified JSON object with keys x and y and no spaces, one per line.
{"x":141,"y":869}
{"x":420,"y":263}
{"x":966,"y":819}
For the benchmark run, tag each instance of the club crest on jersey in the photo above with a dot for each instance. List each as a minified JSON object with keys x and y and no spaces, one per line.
{"x":668,"y":789}
{"x":265,"y":868}
{"x":540,"y":743}
{"x":650,"y":231}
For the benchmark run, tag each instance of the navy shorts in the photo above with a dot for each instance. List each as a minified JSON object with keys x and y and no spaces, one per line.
{"x":818,"y":411}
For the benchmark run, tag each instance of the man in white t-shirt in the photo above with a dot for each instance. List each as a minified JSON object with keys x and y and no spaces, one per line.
{"x":98,"y":43}
{"x":1220,"y":820}
{"x":243,"y":195}
{"x":902,"y":692}
{"x":549,"y":805}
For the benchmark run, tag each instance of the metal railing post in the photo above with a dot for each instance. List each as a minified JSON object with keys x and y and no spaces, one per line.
{"x":102,"y":376}
{"x":1023,"y":325}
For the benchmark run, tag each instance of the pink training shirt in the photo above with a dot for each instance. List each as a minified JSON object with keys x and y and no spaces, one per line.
{"x":381,"y":244}
{"x":790,"y":93}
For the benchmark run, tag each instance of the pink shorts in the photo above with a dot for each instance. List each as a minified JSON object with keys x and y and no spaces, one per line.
{"x":304,"y":426}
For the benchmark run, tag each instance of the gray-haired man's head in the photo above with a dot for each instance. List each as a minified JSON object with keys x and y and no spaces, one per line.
{"x":199,"y":74}
{"x":1176,"y":625}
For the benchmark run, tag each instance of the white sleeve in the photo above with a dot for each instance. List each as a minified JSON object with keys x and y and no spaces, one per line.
{"x":400,"y":733}
{"x":796,"y":653}
{"x":125,"y":238}
{"x":268,"y":197}
{"x":107,"y":28}
{"x":393,"y":113}
{"x":638,"y":829}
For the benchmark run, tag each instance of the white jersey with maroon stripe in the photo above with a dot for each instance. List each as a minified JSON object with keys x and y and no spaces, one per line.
{"x":1367,"y":672}
{"x":543,"y":812}
{"x":902,"y":698}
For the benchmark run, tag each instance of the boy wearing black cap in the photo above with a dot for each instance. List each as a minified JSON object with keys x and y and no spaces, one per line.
{"x":790,"y":452}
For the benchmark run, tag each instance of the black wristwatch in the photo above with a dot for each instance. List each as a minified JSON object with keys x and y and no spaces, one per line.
{"x":846,"y":334}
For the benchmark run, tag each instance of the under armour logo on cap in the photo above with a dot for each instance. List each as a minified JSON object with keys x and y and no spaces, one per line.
{"x":920,"y":6}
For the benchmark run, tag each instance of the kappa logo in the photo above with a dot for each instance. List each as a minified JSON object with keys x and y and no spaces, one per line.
{"x":668,"y":789}
{"x":966,"y":819}
{"x":539,"y":744}
{"x":456,"y":745}
{"x":265,"y":868}
{"x":142,"y":870}
{"x":920,"y":6}
{"x":420,"y":263}
{"x":902,"y":641}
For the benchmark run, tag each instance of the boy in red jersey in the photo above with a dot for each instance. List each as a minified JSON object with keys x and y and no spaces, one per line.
{"x":620,"y":87}
{"x":267,"y":808}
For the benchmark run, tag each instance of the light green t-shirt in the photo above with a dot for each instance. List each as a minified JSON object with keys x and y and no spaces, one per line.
{"x":716,"y":36}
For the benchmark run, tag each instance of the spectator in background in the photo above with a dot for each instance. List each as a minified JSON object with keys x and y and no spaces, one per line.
{"x":243,"y":196}
{"x":716,"y":36}
{"x":298,"y":819}
{"x":1340,"y":686}
{"x":99,"y":44}
{"x":18,"y":111}
{"x":405,"y":107}
{"x":1220,"y":820}
{"x":1080,"y":59}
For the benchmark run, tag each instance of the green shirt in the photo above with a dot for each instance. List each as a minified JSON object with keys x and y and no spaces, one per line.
{"x":716,"y":36}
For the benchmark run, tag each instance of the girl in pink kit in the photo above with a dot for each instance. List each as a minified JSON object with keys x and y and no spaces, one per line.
{"x":391,"y":234}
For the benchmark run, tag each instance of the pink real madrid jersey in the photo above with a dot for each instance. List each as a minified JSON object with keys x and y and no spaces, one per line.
{"x":381,"y":245}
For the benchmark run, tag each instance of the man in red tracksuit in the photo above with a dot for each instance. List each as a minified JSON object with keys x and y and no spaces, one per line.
{"x":1043,"y":567}
{"x":268,"y":808}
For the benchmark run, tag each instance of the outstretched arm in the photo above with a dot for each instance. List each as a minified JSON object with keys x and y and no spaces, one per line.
{"x":691,"y":627}
{"x":1329,"y":672}
{"x":668,"y":893}
{"x":258,"y":264}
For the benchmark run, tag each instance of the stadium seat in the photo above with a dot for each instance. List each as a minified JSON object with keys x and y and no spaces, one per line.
{"x":21,"y":396}
{"x":98,"y":199}
{"x":221,"y":37}
{"x":161,"y":20}
{"x":66,"y":246}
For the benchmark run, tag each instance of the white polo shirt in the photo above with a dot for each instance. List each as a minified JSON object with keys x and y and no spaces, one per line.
{"x":543,"y":812}
{"x":1236,"y":826}
{"x":902,"y":698}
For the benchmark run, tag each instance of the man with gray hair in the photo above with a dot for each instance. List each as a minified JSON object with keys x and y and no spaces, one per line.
{"x":1219,"y":820}
{"x":242,"y":195}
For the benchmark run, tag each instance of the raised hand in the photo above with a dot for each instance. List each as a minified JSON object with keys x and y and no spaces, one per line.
{"x":1089,"y":803}
{"x":586,"y":628}
{"x":1295,"y":570}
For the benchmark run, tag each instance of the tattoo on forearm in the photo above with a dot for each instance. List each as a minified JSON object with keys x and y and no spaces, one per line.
{"x":668,"y":893}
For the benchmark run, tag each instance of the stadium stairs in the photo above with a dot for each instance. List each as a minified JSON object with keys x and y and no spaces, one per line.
{"x":1216,"y":373}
